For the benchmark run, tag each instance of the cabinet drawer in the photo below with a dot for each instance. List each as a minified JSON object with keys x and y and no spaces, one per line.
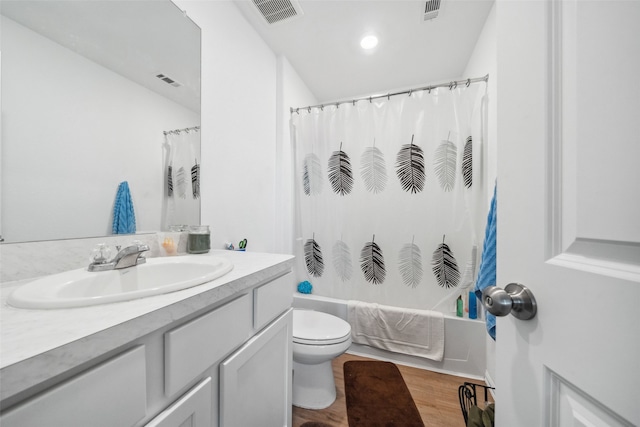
{"x":111,"y":394}
{"x":271,"y":300}
{"x":198,"y":344}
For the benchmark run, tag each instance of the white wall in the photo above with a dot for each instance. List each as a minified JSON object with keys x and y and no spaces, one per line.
{"x":72,"y":131}
{"x":484,"y":61}
{"x":246,"y":96}
{"x":292,"y":93}
{"x":238,"y":127}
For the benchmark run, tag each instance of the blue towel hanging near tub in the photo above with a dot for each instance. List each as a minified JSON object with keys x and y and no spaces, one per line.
{"x":487,"y":272}
{"x":124,"y":219}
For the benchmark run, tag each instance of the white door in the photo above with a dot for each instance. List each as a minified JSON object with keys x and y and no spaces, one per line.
{"x":569,"y":211}
{"x":255,"y":381}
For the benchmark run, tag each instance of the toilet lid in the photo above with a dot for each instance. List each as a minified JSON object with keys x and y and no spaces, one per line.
{"x":316,"y":327}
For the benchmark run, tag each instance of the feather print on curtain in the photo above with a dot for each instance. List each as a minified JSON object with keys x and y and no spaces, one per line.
{"x":410,"y":264}
{"x":445,"y":164}
{"x":340,"y":174}
{"x":312,"y":175}
{"x":373,"y":169}
{"x":313,"y":258}
{"x":445,"y":266}
{"x":170,"y":181}
{"x":467,"y":163}
{"x":195,"y":180}
{"x":181,"y":183}
{"x":469,"y":274}
{"x":410,"y":167}
{"x":342,"y":260}
{"x":372,"y":263}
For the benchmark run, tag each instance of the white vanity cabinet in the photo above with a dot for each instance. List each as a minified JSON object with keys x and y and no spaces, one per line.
{"x":227,"y":364}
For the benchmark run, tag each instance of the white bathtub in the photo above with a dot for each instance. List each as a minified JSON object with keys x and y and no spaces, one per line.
{"x":464,"y":341}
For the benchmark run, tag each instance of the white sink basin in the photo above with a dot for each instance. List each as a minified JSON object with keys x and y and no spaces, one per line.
{"x":80,"y":288}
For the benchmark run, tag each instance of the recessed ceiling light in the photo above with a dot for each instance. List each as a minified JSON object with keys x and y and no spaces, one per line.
{"x":369,"y":42}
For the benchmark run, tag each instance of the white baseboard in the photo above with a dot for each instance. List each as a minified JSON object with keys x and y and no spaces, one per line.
{"x":490,"y":383}
{"x":406,"y":360}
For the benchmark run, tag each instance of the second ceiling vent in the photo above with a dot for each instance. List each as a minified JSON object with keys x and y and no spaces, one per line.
{"x":431,"y":10}
{"x":275,"y":11}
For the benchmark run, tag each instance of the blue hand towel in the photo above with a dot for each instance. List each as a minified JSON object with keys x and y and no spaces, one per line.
{"x":487,"y":272}
{"x":124,"y":220}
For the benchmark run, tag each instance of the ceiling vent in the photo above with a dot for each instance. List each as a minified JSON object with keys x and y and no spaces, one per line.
{"x":275,"y":11}
{"x":168,"y":80}
{"x":431,"y":10}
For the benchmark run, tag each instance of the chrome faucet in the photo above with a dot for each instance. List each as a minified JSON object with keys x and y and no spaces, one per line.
{"x":129,"y":256}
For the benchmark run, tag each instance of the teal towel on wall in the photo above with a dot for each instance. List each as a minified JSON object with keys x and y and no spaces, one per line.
{"x":124,"y":220}
{"x":487,"y":273}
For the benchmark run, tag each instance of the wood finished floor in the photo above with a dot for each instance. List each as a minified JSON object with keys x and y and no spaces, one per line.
{"x":435,"y":395}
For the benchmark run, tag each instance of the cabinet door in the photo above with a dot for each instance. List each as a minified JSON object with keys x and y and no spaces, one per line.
{"x":191,"y":410}
{"x":255,"y":381}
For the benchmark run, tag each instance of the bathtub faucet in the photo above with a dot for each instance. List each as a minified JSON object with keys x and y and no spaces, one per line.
{"x":129,"y":256}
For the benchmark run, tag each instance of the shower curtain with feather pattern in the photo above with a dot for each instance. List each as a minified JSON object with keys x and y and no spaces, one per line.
{"x":181,"y":158}
{"x":386,"y":194}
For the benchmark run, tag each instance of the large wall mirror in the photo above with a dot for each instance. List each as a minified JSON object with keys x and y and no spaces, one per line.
{"x":84,"y":109}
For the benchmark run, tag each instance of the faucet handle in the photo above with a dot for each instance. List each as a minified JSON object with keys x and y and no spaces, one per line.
{"x":100,"y":254}
{"x":141,"y":246}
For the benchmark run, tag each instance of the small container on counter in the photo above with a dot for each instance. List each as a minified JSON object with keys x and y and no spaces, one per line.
{"x":199,"y":239}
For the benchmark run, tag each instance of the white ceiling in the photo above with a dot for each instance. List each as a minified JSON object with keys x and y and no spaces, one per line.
{"x":129,"y":38}
{"x":323,"y":44}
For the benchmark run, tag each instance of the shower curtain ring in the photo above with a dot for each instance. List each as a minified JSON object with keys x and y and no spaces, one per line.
{"x":388,"y":97}
{"x":369,"y":100}
{"x":468,"y":82}
{"x":321,"y":107}
{"x":450,"y":85}
{"x":309,"y":108}
{"x":410,"y":92}
{"x":337,"y":105}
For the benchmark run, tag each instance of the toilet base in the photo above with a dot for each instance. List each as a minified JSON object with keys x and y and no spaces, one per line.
{"x":313,"y":385}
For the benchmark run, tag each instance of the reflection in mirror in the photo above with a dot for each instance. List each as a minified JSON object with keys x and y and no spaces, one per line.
{"x":83,"y":109}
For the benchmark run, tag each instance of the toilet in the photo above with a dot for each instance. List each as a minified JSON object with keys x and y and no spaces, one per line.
{"x":318,"y":338}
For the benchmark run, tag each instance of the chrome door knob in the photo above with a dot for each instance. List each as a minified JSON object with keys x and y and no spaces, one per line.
{"x":515,"y":298}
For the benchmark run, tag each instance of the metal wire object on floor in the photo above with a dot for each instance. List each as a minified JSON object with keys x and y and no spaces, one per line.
{"x":467,"y":394}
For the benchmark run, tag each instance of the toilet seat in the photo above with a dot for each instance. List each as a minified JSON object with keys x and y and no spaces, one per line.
{"x":318,"y":328}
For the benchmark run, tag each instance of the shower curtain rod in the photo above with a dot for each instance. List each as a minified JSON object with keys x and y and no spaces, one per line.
{"x":451,"y":85}
{"x":177,"y":131}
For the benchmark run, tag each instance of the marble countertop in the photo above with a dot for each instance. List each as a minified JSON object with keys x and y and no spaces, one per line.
{"x":37,"y":345}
